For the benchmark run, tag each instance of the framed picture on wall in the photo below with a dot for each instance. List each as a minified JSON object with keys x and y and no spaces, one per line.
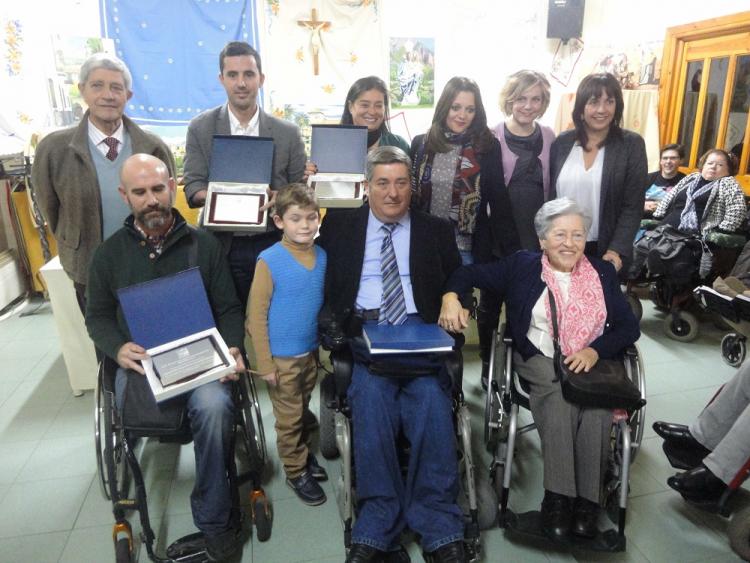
{"x":412,"y":72}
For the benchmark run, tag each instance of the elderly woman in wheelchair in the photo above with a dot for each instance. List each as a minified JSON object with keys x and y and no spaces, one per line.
{"x":594,"y":322}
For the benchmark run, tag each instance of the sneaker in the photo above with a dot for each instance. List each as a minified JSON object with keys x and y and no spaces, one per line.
{"x":222,"y":546}
{"x":307,"y":489}
{"x":314,"y":468}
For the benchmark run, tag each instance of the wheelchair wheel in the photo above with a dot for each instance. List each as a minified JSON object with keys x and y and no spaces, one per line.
{"x":733,"y":349}
{"x":681,"y":326}
{"x":111,"y":465}
{"x":327,"y":432}
{"x":123,"y":551}
{"x":262,"y":518}
{"x":252,"y":432}
{"x":739,"y":533}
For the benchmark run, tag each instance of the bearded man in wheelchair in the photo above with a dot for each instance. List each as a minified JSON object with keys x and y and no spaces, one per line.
{"x":587,"y":320}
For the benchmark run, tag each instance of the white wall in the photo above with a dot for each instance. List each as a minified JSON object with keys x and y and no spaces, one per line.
{"x":488,"y":40}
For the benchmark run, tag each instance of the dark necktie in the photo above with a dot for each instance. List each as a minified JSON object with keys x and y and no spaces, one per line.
{"x":392,"y":305}
{"x":111,"y":142}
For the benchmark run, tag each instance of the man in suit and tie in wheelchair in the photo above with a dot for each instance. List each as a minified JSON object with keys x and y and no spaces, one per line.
{"x":156,"y":241}
{"x":388,"y":265}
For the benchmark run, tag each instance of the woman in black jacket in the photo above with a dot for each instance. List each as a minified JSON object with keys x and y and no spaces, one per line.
{"x":602,"y":167}
{"x":458,"y":175}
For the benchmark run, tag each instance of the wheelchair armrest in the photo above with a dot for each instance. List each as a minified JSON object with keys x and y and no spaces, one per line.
{"x":454,"y":366}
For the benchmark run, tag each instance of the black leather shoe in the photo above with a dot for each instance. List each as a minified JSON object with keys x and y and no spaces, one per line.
{"x":314,"y":469}
{"x":585,"y":518}
{"x":698,"y":485}
{"x":307,"y":489}
{"x":361,"y":553}
{"x":679,"y":435}
{"x":556,"y":515}
{"x":449,"y":553}
{"x":485,"y":374}
{"x":222,"y":546}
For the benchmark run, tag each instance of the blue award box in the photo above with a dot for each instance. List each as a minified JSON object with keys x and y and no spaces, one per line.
{"x":172,"y":319}
{"x":340,"y":153}
{"x":239,"y":175}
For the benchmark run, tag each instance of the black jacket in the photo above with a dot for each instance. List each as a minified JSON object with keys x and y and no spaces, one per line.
{"x":433,"y":256}
{"x":623,"y":187}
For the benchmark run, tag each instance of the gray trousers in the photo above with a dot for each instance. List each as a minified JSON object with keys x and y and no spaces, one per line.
{"x":724,"y":427}
{"x":575,"y":440}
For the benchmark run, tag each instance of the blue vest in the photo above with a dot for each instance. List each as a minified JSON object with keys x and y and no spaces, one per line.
{"x":295,"y":303}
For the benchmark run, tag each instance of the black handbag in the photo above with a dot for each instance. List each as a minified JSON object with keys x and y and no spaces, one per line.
{"x":605,"y":386}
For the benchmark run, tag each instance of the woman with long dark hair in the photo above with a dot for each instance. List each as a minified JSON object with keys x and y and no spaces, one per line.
{"x":602,"y":167}
{"x":458,"y":175}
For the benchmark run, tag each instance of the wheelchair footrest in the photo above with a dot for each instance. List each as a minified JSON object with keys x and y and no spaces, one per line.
{"x":683,"y":458}
{"x":188,"y":549}
{"x":529,"y":525}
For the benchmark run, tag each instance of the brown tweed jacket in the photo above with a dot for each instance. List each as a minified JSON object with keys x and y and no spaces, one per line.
{"x":65,"y":184}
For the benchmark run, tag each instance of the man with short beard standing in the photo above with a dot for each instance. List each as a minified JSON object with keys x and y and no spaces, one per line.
{"x":156,"y":242}
{"x":76,"y":170}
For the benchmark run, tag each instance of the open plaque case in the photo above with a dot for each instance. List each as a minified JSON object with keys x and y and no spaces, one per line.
{"x":238,"y":178}
{"x":340,"y":152}
{"x":171,"y":318}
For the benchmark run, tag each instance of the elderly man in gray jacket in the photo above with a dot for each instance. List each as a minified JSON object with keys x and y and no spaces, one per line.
{"x":76,"y":171}
{"x":240,"y":73}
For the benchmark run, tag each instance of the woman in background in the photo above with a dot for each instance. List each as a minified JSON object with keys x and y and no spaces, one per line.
{"x":458,"y":175}
{"x":367,"y":105}
{"x":525,"y":147}
{"x":602,"y":167}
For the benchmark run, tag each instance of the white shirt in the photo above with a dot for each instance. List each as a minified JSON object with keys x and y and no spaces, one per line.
{"x":97,"y":138}
{"x":252,"y":126}
{"x":539,"y":330}
{"x":583,"y":186}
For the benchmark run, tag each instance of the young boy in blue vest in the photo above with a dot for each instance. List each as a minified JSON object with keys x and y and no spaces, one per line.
{"x":282,"y":320}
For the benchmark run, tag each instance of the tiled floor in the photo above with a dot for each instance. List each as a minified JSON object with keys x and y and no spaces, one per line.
{"x":51,"y":508}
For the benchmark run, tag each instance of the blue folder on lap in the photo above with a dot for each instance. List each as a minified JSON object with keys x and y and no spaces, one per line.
{"x":409,"y":338}
{"x":166,"y":309}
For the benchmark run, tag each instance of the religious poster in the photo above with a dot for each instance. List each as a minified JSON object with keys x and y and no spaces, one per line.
{"x":412,"y":72}
{"x":312,"y":53}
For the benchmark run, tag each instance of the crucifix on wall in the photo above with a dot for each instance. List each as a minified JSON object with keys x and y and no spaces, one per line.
{"x":315,"y":26}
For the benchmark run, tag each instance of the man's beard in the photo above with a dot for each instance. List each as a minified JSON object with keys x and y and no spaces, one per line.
{"x":155,"y":217}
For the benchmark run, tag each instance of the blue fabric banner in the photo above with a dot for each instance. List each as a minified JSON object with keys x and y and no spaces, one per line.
{"x":172,"y":50}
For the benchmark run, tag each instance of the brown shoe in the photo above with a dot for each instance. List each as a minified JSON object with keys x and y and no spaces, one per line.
{"x":735,"y":284}
{"x":722,"y":287}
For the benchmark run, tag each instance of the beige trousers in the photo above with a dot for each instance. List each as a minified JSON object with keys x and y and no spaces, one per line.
{"x":290,"y":399}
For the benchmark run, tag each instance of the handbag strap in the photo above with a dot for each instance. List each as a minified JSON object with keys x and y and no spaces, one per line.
{"x":553,"y":313}
{"x":555,"y":336}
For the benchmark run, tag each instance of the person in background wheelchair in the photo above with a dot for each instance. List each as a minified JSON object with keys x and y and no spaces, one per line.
{"x":706,"y":200}
{"x":410,"y":394}
{"x":595,"y":322}
{"x":719,"y":438}
{"x":156,"y":241}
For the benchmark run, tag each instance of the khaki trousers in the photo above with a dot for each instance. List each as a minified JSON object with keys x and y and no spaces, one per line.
{"x":290,"y":399}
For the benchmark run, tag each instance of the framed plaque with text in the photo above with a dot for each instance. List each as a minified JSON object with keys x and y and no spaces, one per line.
{"x":172,"y":319}
{"x":238,"y":179}
{"x":339,"y":151}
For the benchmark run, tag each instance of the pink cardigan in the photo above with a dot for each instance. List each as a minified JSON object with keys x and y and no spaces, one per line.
{"x":510,"y":158}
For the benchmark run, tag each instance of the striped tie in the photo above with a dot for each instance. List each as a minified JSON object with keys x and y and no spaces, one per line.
{"x":393,"y":305}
